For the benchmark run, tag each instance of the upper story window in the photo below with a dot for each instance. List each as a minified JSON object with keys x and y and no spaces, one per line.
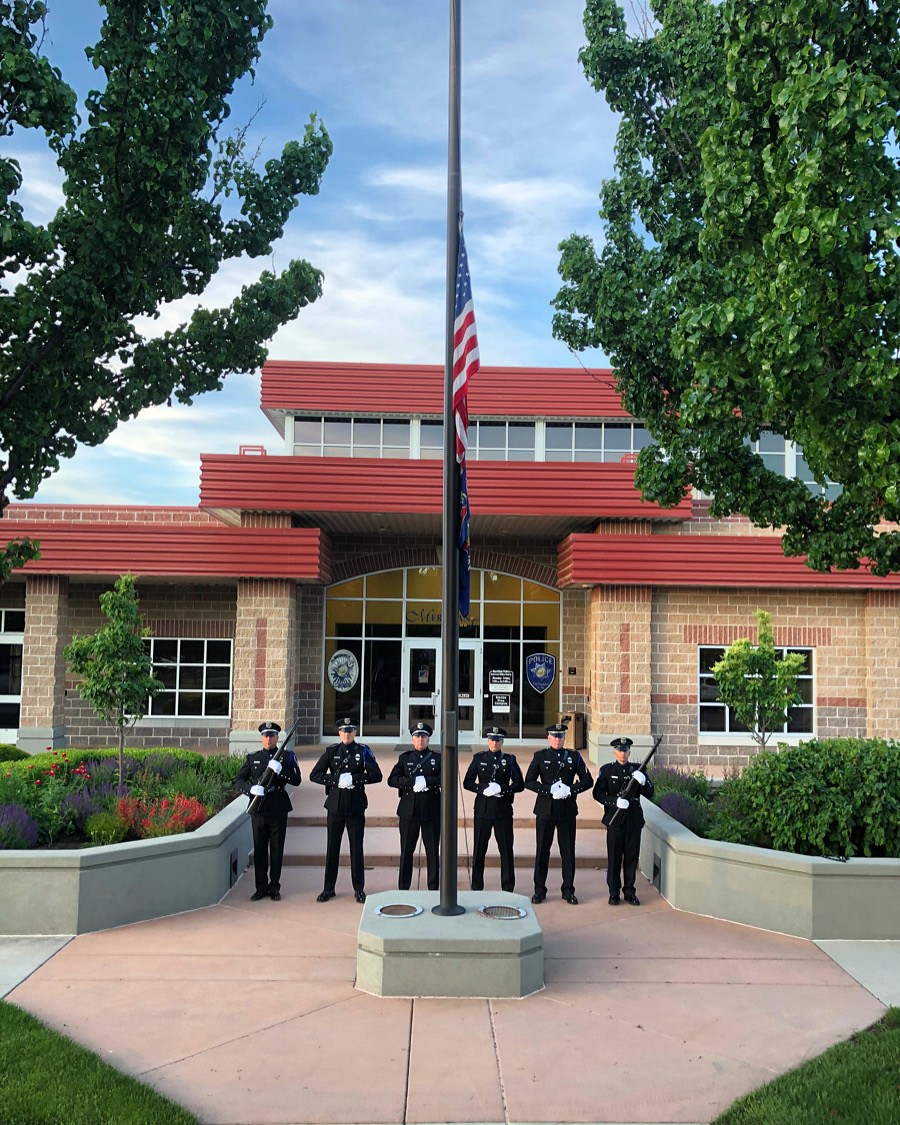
{"x":786,"y":458}
{"x":594,"y":441}
{"x":352,"y":437}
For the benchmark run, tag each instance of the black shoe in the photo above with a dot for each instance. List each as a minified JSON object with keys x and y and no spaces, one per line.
{"x":633,"y":899}
{"x":570,"y":898}
{"x":324,"y":896}
{"x":360,"y":896}
{"x":613,"y":900}
{"x":257,"y":895}
{"x":275,"y":896}
{"x":538,"y":896}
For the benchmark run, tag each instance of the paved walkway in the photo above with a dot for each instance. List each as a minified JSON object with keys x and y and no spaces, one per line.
{"x":246,"y":1012}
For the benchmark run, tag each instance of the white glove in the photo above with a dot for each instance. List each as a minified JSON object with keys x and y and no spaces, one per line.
{"x":640,"y":778}
{"x":275,"y":766}
{"x":421,"y":784}
{"x":622,"y":803}
{"x":491,"y":790}
{"x":257,"y":791}
{"x":559,"y":790}
{"x":345,"y":781}
{"x":564,"y":789}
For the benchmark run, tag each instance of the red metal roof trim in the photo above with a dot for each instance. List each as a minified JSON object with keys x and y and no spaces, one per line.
{"x":173,"y":551}
{"x":343,"y":484}
{"x":697,"y":560}
{"x":390,"y":388}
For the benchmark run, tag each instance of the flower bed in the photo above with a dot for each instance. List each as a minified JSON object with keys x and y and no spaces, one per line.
{"x":73,"y":798}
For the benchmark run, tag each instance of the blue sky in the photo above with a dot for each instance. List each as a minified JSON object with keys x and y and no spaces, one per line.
{"x":536,"y":143}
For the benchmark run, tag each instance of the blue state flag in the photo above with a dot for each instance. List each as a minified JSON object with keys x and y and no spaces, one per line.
{"x":464,"y":576}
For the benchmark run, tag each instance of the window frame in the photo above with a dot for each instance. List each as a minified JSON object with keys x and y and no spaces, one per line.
{"x":745,"y":738}
{"x":177,"y":718}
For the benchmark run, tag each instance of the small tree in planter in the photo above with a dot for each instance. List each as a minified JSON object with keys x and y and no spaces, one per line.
{"x":757,"y":684}
{"x":114,"y":664}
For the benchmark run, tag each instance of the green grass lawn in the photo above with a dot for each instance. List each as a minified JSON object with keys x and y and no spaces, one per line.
{"x":46,"y":1079}
{"x":852,"y":1083}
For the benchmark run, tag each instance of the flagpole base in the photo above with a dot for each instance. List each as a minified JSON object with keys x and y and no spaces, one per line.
{"x":448,"y":911}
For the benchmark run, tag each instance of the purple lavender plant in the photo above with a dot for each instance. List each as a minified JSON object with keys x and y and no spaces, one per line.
{"x":75,"y":808}
{"x":17,"y":828}
{"x":691,"y":814}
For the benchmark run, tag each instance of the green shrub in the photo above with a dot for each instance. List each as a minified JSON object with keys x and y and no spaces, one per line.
{"x":223,"y":767}
{"x":668,"y":779}
{"x":105,"y":828}
{"x":189,"y":783}
{"x":837,"y":796}
{"x":10,"y":753}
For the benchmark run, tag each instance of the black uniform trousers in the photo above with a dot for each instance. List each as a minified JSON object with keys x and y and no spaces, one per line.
{"x":503,"y":834}
{"x":268,"y":851}
{"x":623,"y":851}
{"x":356,"y":827}
{"x":565,"y":830}
{"x":409,"y":838}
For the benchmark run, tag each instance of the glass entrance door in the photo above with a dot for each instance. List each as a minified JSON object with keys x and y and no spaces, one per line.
{"x":421,"y":698}
{"x":422,"y":687}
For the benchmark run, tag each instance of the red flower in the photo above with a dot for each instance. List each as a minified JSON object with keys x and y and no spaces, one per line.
{"x":37,"y":781}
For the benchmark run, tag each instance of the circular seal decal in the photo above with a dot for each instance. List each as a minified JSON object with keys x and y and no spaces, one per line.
{"x":343,"y":670}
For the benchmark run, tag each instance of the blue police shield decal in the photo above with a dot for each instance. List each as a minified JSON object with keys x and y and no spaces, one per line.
{"x":343,"y":670}
{"x":540,"y":670}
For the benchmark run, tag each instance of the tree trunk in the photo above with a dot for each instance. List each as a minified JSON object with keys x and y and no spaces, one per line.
{"x":121,"y":731}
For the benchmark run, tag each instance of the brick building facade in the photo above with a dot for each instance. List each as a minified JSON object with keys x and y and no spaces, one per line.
{"x":623,"y":605}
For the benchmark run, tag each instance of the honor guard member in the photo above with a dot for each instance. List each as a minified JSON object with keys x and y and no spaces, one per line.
{"x":557,"y":776}
{"x":345,"y":769}
{"x":417,"y":774}
{"x":623,"y":842}
{"x":495,"y":777}
{"x":270,"y":820}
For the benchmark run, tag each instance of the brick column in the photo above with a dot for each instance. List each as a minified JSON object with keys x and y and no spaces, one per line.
{"x":620,"y":667}
{"x":573,"y":654}
{"x":265,"y":658}
{"x":882,"y":662}
{"x":42,"y":723}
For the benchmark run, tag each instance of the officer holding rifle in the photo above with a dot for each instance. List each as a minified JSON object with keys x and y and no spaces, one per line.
{"x":623,"y":817}
{"x":264,"y":777}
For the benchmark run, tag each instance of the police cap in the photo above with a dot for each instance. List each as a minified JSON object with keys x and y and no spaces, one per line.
{"x":557,"y":728}
{"x":422,"y":728}
{"x":496,"y":734}
{"x":620,"y":742}
{"x":346,"y":724}
{"x":269,"y":728}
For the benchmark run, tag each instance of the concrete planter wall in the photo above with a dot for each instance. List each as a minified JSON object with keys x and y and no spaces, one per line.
{"x":75,"y":892}
{"x":806,"y":896}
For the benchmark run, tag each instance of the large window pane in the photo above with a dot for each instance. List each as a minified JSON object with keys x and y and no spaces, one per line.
{"x":491,"y":436}
{"x":558,"y":438}
{"x":387,"y":584}
{"x":343,"y":618}
{"x":308,"y":431}
{"x":185,"y":668}
{"x":337,"y":431}
{"x":366,"y":433}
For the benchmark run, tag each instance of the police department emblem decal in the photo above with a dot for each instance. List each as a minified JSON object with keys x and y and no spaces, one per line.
{"x":540,"y":670}
{"x":343,"y":670}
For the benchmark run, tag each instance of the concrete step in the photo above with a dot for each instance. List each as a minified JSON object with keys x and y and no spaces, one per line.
{"x":305,"y":847}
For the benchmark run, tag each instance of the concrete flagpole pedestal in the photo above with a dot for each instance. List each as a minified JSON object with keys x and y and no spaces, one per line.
{"x":412,"y":952}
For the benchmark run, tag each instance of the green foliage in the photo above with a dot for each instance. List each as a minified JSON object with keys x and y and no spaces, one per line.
{"x":147,"y":169}
{"x":105,"y":828}
{"x":748,"y":279}
{"x":854,"y":1083}
{"x":203,"y":787}
{"x":47,"y":1078}
{"x":759,"y":685}
{"x":823,"y":797}
{"x":223,"y":767}
{"x":115,"y":668}
{"x":667,"y":779}
{"x":12,"y":753}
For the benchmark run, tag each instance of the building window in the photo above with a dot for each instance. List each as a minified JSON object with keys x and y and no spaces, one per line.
{"x":196,"y":677}
{"x":351,"y":437}
{"x":786,"y":459}
{"x":715,"y":718}
{"x":594,"y":441}
{"x":12,"y":636}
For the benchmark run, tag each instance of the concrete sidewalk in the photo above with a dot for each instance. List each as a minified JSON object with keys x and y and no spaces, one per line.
{"x":246,"y":1013}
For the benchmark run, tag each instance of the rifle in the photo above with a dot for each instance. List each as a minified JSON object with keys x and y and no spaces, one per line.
{"x":268,"y":774}
{"x":632,"y":785}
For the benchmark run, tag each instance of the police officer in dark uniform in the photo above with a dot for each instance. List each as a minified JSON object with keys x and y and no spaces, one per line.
{"x":345,"y":769}
{"x":417,"y":774}
{"x":496,"y":778}
{"x":270,"y":821}
{"x":623,"y":842}
{"x":557,"y":776}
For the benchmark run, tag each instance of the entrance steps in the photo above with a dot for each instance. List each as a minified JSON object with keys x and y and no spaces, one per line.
{"x":305,"y":843}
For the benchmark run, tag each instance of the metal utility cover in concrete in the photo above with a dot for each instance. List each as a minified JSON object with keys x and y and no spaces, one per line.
{"x":432,"y":955}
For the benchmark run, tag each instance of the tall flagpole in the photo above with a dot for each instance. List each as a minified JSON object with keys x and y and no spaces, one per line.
{"x":450,"y":534}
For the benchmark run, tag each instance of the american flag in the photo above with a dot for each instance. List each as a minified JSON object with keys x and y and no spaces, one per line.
{"x":465,"y":363}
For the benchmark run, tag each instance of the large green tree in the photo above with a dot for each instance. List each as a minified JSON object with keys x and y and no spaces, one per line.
{"x":748,"y":281}
{"x":147,"y":170}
